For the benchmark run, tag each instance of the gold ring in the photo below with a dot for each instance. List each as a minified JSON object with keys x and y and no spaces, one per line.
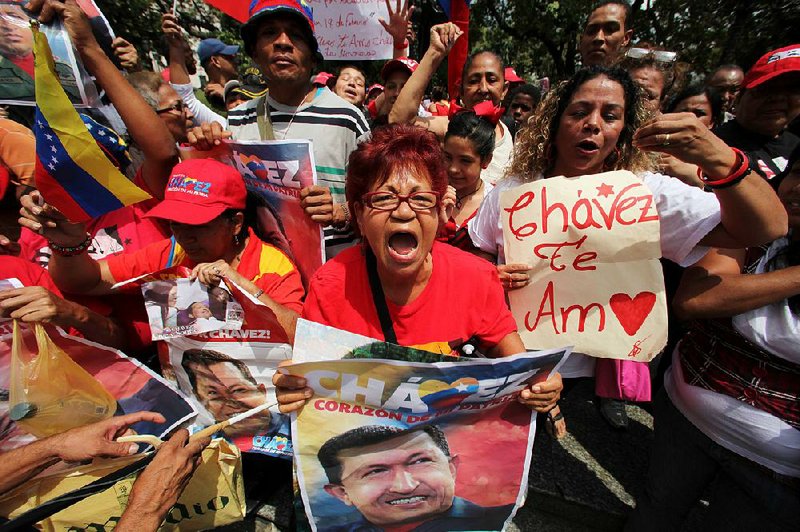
{"x":666,"y":140}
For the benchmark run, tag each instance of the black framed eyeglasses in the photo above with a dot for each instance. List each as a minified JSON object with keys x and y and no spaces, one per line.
{"x":389,"y":201}
{"x":177,"y":105}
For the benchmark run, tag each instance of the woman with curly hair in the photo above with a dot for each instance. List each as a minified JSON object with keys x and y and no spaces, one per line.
{"x":594,"y":123}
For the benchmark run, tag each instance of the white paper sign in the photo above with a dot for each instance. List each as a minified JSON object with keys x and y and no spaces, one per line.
{"x":349,"y":29}
{"x":593,"y":243}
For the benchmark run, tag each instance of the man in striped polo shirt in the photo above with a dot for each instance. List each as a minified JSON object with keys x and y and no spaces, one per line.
{"x":279,"y":37}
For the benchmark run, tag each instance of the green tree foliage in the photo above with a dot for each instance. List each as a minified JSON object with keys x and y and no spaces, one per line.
{"x":540,"y":37}
{"x":139,"y":21}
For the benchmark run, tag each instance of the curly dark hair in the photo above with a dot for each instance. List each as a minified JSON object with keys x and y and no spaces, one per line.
{"x":534,"y":151}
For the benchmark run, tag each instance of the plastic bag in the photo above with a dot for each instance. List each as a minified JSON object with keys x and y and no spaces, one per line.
{"x":49,"y":392}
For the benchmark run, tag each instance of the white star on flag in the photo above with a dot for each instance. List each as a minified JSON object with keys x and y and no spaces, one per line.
{"x":54,"y":159}
{"x":49,"y":136}
{"x":101,"y":133}
{"x":51,"y":166}
{"x":54,"y":149}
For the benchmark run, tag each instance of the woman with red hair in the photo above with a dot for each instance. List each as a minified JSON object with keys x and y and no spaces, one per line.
{"x":401,"y":285}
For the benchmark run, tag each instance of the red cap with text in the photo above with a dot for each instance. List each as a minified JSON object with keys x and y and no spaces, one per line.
{"x":405,"y":64}
{"x":773,"y":64}
{"x":199,"y":190}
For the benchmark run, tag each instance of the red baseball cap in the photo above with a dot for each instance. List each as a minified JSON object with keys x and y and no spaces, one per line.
{"x":401,"y":63}
{"x":511,"y":75}
{"x":773,"y":64}
{"x":375,"y":87}
{"x":199,"y":190}
{"x":323,"y":79}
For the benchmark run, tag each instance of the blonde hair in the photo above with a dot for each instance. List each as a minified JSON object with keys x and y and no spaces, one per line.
{"x":534,"y":148}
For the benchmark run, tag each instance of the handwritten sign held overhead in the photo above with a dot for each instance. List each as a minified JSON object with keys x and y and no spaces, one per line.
{"x":593,"y":243}
{"x":349,"y":29}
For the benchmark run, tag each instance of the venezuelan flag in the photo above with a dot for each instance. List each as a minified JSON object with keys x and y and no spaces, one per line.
{"x":73,"y":173}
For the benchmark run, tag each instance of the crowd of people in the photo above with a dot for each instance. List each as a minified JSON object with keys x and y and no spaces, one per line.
{"x":408,"y":199}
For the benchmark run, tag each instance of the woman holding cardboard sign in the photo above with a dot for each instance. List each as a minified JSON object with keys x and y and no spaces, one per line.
{"x":593,"y":123}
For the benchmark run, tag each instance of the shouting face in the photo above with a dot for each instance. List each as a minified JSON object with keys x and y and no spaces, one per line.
{"x":590,"y":127}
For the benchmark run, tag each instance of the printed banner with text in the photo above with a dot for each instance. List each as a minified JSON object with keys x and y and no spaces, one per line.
{"x":275,"y":171}
{"x":385,"y":443}
{"x":349,"y":30}
{"x":593,"y":244}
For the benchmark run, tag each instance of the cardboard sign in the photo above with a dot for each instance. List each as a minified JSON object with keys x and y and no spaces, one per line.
{"x":593,"y":244}
{"x":348,"y":30}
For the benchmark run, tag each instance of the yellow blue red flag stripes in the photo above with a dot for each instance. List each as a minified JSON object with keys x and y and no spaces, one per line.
{"x":72,"y":171}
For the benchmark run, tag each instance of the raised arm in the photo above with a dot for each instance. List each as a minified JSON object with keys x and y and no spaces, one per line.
{"x":144,"y":125}
{"x":179,"y":73}
{"x":398,"y":26}
{"x":404,"y":111}
{"x":751,"y":212}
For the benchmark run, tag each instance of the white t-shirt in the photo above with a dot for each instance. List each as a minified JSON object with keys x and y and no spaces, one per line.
{"x":744,"y":429}
{"x":686,"y":214}
{"x":735,"y":425}
{"x":501,"y":158}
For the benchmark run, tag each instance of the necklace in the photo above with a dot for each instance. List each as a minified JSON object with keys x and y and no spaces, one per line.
{"x":296,"y":109}
{"x":460,"y":199}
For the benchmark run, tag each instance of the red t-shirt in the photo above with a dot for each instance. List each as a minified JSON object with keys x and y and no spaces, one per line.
{"x":267,"y":266}
{"x":28,"y":274}
{"x":463,"y":299}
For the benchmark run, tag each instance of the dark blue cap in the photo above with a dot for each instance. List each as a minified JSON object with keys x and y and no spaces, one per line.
{"x":210,"y":47}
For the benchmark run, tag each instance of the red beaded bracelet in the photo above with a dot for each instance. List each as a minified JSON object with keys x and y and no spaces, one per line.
{"x":71,"y":251}
{"x":403,"y":46}
{"x":739,"y":171}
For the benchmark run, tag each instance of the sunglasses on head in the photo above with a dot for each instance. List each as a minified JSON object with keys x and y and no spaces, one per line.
{"x":661,"y":56}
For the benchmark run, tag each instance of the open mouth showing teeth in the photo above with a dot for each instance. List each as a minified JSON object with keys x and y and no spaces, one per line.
{"x":403,"y":243}
{"x":587,"y":145}
{"x":407,"y":500}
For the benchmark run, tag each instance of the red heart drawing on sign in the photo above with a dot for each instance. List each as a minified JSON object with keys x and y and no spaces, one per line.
{"x":631,"y":313}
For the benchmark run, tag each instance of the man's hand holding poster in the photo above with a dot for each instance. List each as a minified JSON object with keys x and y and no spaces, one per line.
{"x":593,"y":244}
{"x":275,"y":172}
{"x":442,"y":445}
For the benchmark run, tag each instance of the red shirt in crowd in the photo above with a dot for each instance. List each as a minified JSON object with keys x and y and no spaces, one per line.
{"x":463,"y":299}
{"x":267,"y":266}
